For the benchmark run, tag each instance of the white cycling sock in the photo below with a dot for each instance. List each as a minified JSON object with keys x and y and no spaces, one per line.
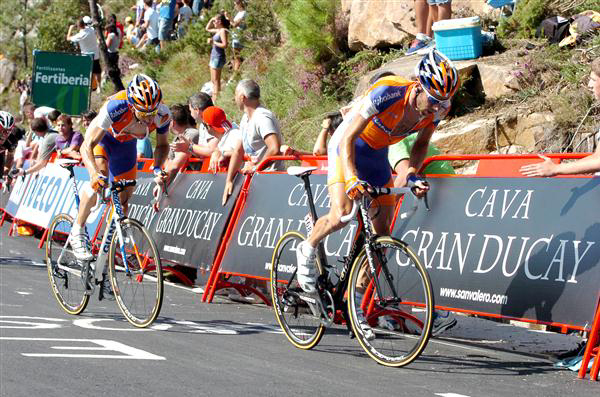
{"x":307,"y":249}
{"x":76,"y":229}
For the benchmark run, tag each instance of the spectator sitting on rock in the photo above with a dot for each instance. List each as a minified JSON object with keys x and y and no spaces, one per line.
{"x":68,"y":141}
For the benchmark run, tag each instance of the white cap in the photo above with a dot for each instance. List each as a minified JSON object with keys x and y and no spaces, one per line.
{"x":87,"y":20}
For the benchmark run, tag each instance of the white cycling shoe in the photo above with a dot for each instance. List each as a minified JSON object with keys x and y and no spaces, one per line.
{"x":81,"y":247}
{"x":306,"y":272}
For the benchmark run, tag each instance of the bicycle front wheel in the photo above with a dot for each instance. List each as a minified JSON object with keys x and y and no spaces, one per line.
{"x":302,"y":328}
{"x":396,"y":301}
{"x":64,"y":271}
{"x":136,"y":274}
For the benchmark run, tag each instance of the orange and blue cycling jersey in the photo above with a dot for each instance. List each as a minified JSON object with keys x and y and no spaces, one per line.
{"x":122,"y":128}
{"x":383,"y":104}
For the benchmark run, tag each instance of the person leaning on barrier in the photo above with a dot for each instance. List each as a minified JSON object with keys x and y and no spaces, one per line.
{"x":585,"y":165}
{"x":206,"y":142}
{"x":46,"y":147}
{"x":68,"y":141}
{"x":185,"y":132}
{"x":261,"y":135}
{"x":227,"y":133}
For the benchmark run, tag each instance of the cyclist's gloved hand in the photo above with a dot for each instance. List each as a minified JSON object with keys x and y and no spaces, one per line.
{"x":355,"y":188}
{"x":419,"y":185}
{"x":99,"y":182}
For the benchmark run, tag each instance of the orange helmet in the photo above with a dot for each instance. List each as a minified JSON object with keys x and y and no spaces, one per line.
{"x":143,"y":93}
{"x":437,"y":75}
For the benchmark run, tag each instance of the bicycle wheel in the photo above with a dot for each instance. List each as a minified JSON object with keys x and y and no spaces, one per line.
{"x":136,"y":274}
{"x":64,"y":271}
{"x":400,"y":312}
{"x":302,"y":328}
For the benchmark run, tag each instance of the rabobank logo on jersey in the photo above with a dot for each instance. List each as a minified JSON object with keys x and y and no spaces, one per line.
{"x":116,"y":109}
{"x":385,"y":96}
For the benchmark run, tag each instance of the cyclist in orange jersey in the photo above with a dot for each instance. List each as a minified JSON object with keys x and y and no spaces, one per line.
{"x":109,"y":147}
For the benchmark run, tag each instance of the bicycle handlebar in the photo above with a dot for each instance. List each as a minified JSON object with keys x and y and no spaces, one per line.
{"x":379,"y":191}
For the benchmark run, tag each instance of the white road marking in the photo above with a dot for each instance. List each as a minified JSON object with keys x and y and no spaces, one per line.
{"x":23,"y":293}
{"x":450,"y":395}
{"x":127,"y":352}
{"x":28,"y":324}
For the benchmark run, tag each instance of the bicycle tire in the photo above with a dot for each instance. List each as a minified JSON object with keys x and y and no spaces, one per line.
{"x":402,"y":328}
{"x":66,"y":283}
{"x":138,"y":288}
{"x":299,"y":325}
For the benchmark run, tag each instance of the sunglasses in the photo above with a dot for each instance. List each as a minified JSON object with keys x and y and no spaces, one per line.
{"x":433,"y":101}
{"x":142,"y":114}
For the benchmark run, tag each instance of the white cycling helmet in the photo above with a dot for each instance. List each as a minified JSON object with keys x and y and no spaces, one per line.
{"x":143,"y":93}
{"x":7,"y":121}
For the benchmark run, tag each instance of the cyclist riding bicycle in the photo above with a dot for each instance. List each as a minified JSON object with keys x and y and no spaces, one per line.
{"x":109,"y":147}
{"x":392,"y":109}
{"x":9,"y":137}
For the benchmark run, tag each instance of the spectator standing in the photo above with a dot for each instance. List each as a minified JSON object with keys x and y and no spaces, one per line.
{"x":185,"y":16}
{"x":165,"y":21}
{"x":113,"y":40}
{"x":68,"y":141}
{"x":261,"y":135}
{"x":427,"y":12}
{"x":150,"y":25}
{"x":88,"y":44}
{"x":219,"y":26}
{"x":239,"y":25}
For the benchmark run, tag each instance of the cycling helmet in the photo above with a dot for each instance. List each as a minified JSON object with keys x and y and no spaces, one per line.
{"x":7,"y":121}
{"x":143,"y":93}
{"x":437,"y":75}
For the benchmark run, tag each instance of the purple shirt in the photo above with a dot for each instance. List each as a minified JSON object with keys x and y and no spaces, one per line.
{"x":76,"y":140}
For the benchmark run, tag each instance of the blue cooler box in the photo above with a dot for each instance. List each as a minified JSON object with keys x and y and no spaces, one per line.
{"x":458,"y":38}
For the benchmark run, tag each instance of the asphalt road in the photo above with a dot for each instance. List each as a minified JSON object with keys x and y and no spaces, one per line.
{"x":224,"y":349}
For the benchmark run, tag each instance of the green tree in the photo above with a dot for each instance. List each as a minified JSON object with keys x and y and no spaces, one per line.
{"x":17,"y":20}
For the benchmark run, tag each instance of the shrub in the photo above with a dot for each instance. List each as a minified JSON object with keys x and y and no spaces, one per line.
{"x":525,"y":20}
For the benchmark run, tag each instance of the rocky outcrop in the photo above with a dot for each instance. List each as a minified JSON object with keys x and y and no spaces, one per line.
{"x":506,"y":133}
{"x":380,"y":23}
{"x":8,"y":71}
{"x":383,"y":23}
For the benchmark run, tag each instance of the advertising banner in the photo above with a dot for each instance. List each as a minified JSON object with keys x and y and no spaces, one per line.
{"x":16,"y":194}
{"x":50,"y":192}
{"x":191,"y":221}
{"x":519,"y":247}
{"x":277,"y":203}
{"x":62,"y":81}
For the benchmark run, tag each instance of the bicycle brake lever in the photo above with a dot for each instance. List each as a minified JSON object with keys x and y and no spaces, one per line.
{"x":426,"y":202}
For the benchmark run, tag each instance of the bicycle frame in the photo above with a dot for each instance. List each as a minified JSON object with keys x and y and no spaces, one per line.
{"x":364,"y":237}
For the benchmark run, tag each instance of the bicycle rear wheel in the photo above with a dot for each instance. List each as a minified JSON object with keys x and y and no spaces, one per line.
{"x":64,"y":271}
{"x":302,"y":328}
{"x":400,"y":312}
{"x":136,"y":274}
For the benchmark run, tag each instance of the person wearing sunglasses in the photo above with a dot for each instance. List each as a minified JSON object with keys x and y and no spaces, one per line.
{"x":391,"y":109}
{"x":109,"y":147}
{"x":10,"y":134}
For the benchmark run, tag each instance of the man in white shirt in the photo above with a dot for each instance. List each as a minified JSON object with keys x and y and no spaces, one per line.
{"x":151,"y":26}
{"x":88,"y":44}
{"x":261,"y":135}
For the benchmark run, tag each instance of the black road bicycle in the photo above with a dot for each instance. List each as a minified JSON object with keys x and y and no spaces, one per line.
{"x":381,"y":280}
